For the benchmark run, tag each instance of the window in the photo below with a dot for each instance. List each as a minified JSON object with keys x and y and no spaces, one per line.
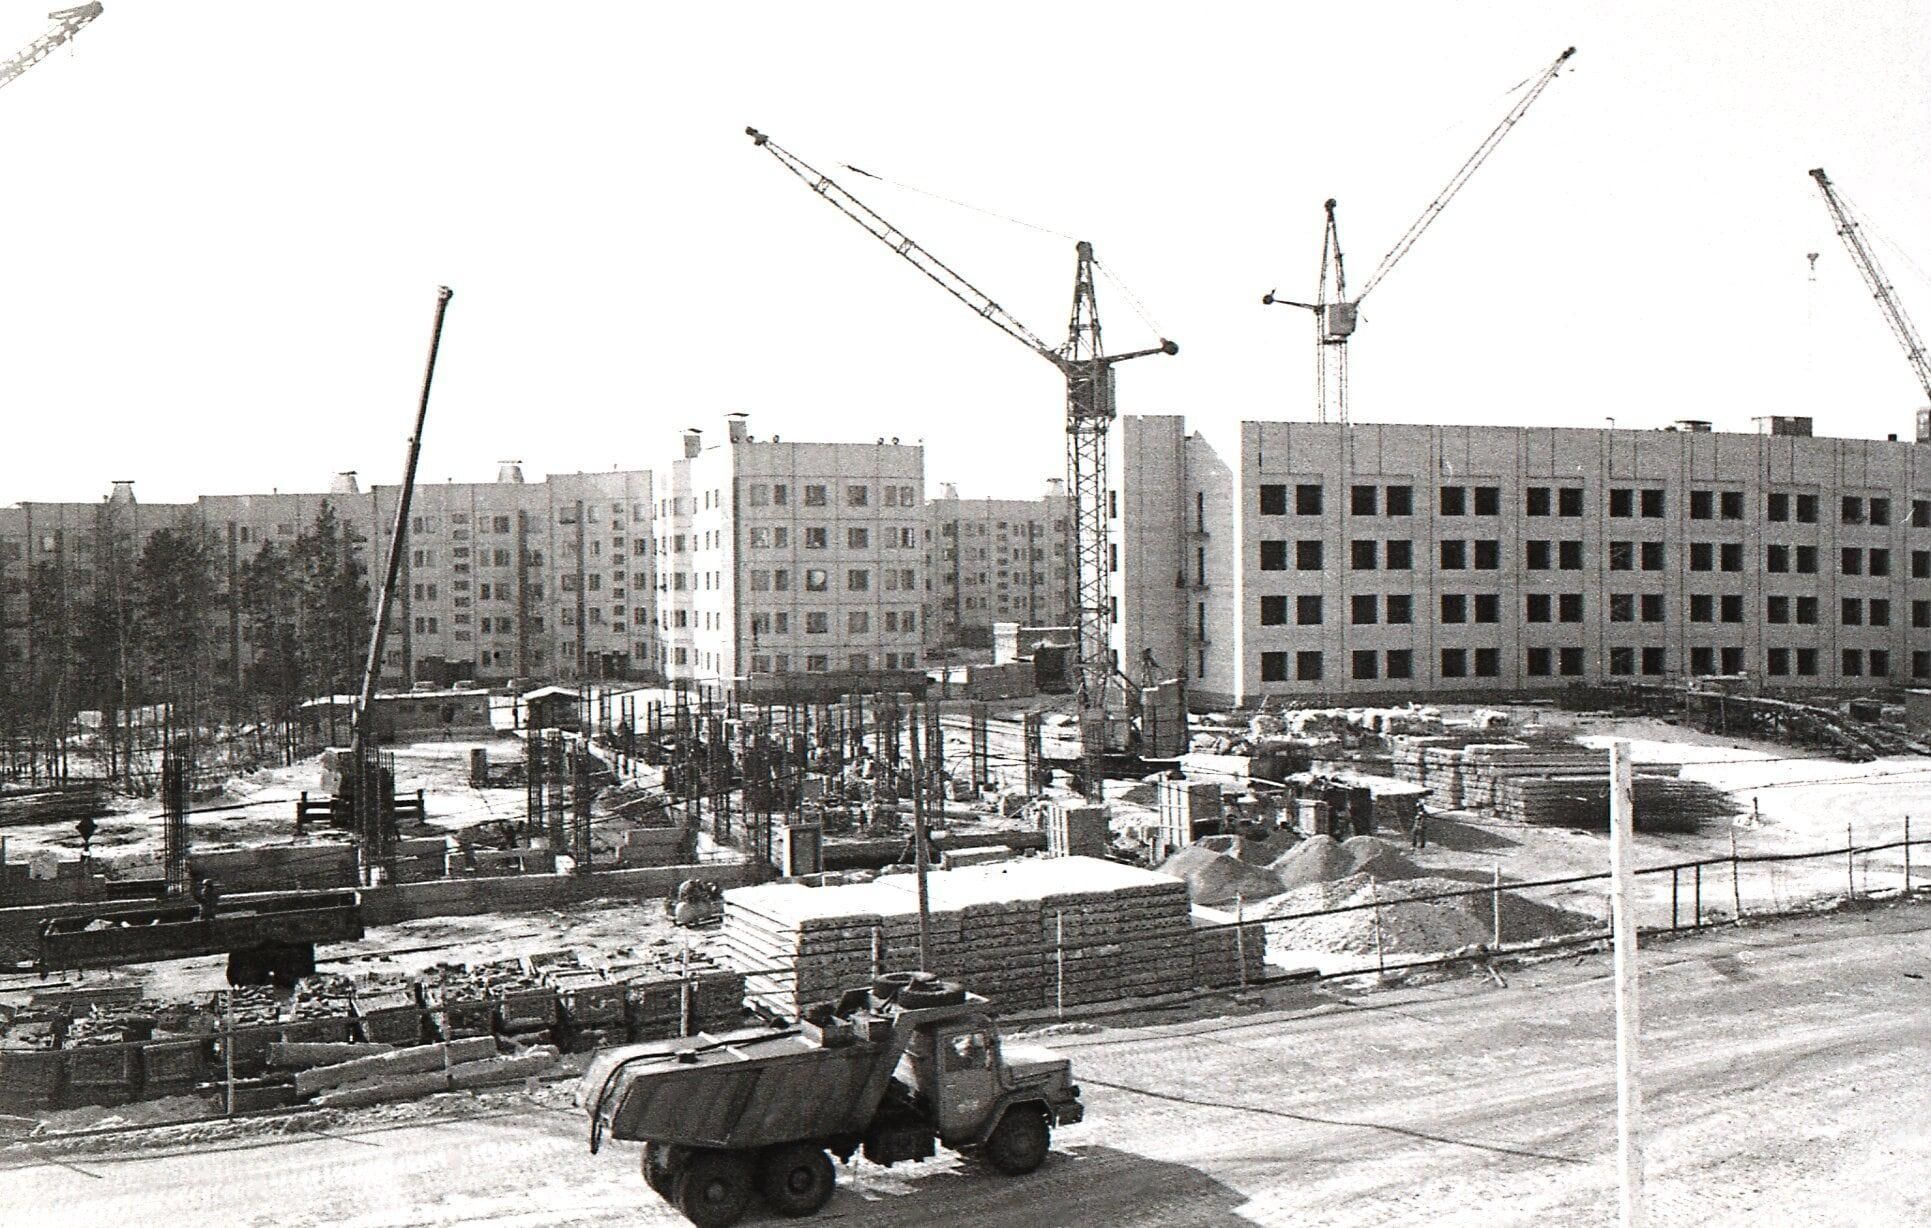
{"x":1569,"y":662}
{"x":1307,"y":555}
{"x":858,"y":580}
{"x":1362,"y":554}
{"x":1400,"y":609}
{"x":817,"y":580}
{"x":758,"y":494}
{"x":1702,"y":556}
{"x":1541,"y":608}
{"x":1569,"y":607}
{"x":1399,"y":555}
{"x":1733,"y":659}
{"x":1569,"y":503}
{"x":1538,"y":555}
{"x":1454,"y":500}
{"x":1536,"y":501}
{"x":817,"y":622}
{"x":1274,"y":611}
{"x":1920,"y":518}
{"x":1652,"y":607}
{"x":1307,"y":500}
{"x":781,"y":580}
{"x":815,"y":537}
{"x":1853,"y":663}
{"x":1853,"y":561}
{"x":1853,"y":513}
{"x":1732,"y":506}
{"x":1454,"y":555}
{"x":1488,"y":500}
{"x":857,"y":537}
{"x":1273,"y":556}
{"x":1622,"y":556}
{"x":858,"y":622}
{"x":1879,"y":611}
{"x":1702,"y":660}
{"x":1806,"y":662}
{"x":1654,"y":661}
{"x":1622,"y":607}
{"x":1652,"y":506}
{"x":1273,"y":500}
{"x":1454,"y":663}
{"x":1702,"y":506}
{"x":1879,"y":662}
{"x":1488,"y":662}
{"x":1879,"y":560}
{"x":1362,"y":608}
{"x":1569,"y":555}
{"x":1622,"y":502}
{"x":1776,"y":558}
{"x":1702,"y":608}
{"x":1777,"y":507}
{"x":1652,"y":556}
{"x":1731,"y":556}
{"x":1307,"y":666}
{"x":1488,"y":608}
{"x":1807,"y":611}
{"x":1921,"y":564}
{"x":1488,"y":554}
{"x":1400,"y":502}
{"x":1851,"y":612}
{"x":780,"y":495}
{"x":858,"y":496}
{"x":1921,"y":664}
{"x":1541,"y":663}
{"x":1921,"y":614}
{"x":1776,"y":609}
{"x":1454,"y":608}
{"x":1362,"y":501}
{"x":1807,"y":560}
{"x":1777,"y":662}
{"x":1400,"y":663}
{"x":814,"y":496}
{"x":1307,"y":609}
{"x":1273,"y":667}
{"x":1806,"y":514}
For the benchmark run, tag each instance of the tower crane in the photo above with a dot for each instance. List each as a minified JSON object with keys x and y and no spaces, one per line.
{"x":1881,"y":290}
{"x":1335,"y":314}
{"x":67,"y":23}
{"x":1088,"y":370}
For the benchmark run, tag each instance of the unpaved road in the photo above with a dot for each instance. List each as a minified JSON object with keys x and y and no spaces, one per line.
{"x":1785,"y":1070}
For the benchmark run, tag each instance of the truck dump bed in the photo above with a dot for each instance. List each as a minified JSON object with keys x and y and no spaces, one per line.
{"x":743,"y":1089}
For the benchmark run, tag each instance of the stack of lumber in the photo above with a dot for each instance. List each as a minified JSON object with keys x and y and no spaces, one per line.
{"x":1225,"y":955}
{"x":675,"y":995}
{"x":1024,"y":934}
{"x":1662,"y":801}
{"x":388,"y":1010}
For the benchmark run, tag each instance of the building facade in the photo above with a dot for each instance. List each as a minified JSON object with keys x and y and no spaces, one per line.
{"x":997,"y":560}
{"x":1403,"y":559}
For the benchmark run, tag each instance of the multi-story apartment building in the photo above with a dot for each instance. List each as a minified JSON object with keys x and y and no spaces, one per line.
{"x":777,"y":559}
{"x":749,"y":557}
{"x":997,"y":560}
{"x":1403,"y":559}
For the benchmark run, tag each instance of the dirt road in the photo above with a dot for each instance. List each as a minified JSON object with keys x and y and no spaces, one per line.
{"x":1784,"y":1073}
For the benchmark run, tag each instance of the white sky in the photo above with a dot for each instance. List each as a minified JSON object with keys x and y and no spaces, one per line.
{"x":224,"y":224}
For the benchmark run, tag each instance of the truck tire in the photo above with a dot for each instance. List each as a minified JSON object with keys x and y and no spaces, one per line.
{"x":1019,"y":1142}
{"x":657,"y":1173}
{"x":931,"y":993}
{"x":797,"y":1179}
{"x":714,"y":1189}
{"x":888,"y":985}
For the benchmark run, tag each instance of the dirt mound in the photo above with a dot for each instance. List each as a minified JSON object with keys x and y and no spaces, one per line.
{"x":1265,"y":850}
{"x":1404,"y":924}
{"x":1317,"y":859}
{"x":1375,"y":856}
{"x":1215,"y":879}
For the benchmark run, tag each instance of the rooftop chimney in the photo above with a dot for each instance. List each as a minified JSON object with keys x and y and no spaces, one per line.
{"x":1055,"y":488}
{"x":344,"y":483}
{"x":123,"y":492}
{"x":738,"y":425}
{"x":693,"y":441}
{"x":510,"y":471}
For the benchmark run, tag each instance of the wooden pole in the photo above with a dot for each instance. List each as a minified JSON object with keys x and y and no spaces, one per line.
{"x":1850,"y":860}
{"x":1498,"y":903}
{"x":228,"y":1048}
{"x":1736,"y":877}
{"x":1059,"y":961}
{"x":922,"y":860}
{"x":1240,"y":935}
{"x":1629,"y":1094}
{"x":1380,"y":956}
{"x":1907,"y":853}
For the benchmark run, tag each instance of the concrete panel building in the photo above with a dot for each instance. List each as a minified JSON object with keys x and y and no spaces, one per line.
{"x":997,"y":560}
{"x":1389,"y":560}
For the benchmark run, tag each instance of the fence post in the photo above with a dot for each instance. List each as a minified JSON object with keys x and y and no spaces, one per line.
{"x":1907,"y":853}
{"x":1240,"y":936}
{"x":1696,"y":897}
{"x":1059,"y":962}
{"x":1498,"y":904}
{"x":1676,"y":878}
{"x":228,"y":1048}
{"x":1736,"y":877}
{"x":1629,"y":1095}
{"x":1380,"y":956}
{"x":1850,"y":860}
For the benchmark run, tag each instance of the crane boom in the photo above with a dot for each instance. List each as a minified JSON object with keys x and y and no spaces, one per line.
{"x":915,"y":255}
{"x":1089,"y":413}
{"x":1462,"y":176}
{"x":1874,"y":277}
{"x":67,"y":23}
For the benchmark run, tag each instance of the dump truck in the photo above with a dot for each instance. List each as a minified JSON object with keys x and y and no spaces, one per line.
{"x":892,"y":1071}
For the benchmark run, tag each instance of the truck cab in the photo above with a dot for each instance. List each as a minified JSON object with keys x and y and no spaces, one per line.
{"x":963,"y":1071}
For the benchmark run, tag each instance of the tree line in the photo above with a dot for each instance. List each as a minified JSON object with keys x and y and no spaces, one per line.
{"x":133,"y":632}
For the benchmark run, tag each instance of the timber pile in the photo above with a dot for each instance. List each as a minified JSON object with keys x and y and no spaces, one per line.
{"x":1554,"y":782}
{"x":52,"y":804}
{"x":1025,"y":934}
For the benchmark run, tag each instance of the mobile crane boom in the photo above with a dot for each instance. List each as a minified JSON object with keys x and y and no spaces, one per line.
{"x":67,"y":23}
{"x":1880,"y":285}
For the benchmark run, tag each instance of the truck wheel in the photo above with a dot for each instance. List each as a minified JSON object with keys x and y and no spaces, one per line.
{"x":796,"y":1180}
{"x":1019,"y":1142}
{"x":886,"y":986}
{"x":931,"y":993}
{"x":656,"y":1173}
{"x":714,"y":1189}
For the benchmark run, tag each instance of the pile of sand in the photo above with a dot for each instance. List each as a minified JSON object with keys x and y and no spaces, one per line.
{"x":1375,"y":856}
{"x":1317,"y":859}
{"x":1216,"y":879}
{"x":1407,"y":925}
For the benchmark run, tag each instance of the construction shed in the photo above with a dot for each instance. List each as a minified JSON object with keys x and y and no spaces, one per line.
{"x":553,"y":707}
{"x":418,"y":714}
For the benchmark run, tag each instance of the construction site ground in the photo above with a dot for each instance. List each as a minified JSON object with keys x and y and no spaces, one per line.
{"x":1780,"y":1062}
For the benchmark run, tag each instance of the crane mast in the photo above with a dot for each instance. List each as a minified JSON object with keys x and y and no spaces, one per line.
{"x":1088,"y":371}
{"x":67,"y":23}
{"x":1334,"y":318}
{"x":1880,"y":286}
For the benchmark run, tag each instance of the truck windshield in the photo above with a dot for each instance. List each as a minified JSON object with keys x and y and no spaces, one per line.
{"x":968,"y":1051}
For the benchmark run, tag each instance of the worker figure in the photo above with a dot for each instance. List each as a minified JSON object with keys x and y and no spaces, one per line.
{"x":206,"y":891}
{"x":1418,"y":835}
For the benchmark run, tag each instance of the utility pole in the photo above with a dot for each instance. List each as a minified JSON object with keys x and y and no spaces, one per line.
{"x":920,"y":857}
{"x":1629,"y":1091}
